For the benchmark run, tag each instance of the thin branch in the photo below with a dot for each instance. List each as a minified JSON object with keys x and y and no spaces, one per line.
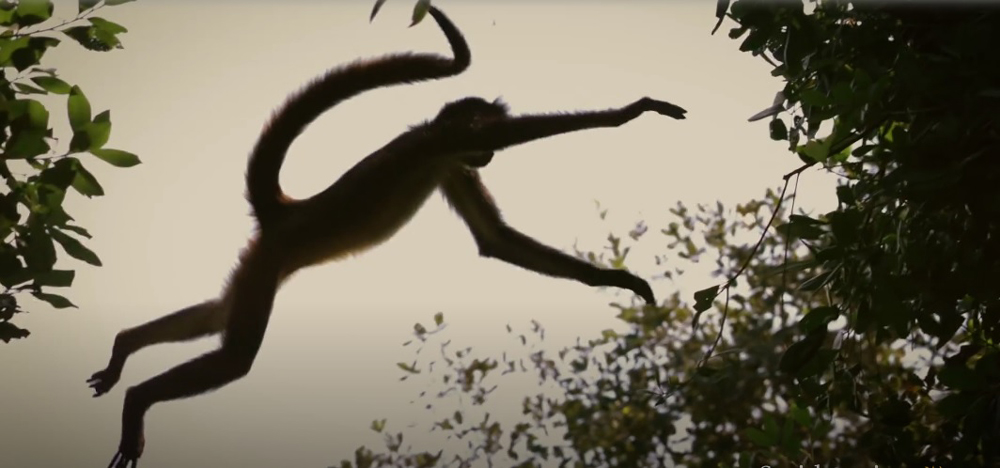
{"x":79,"y":16}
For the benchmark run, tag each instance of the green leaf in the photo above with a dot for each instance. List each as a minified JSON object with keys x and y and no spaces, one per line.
{"x":803,"y":351}
{"x":76,"y":229}
{"x":38,"y":252}
{"x":22,"y":59}
{"x":117,"y":158}
{"x":38,"y":115}
{"x":116,"y":2}
{"x":27,"y":143}
{"x":894,"y":412}
{"x":74,"y":248}
{"x":99,"y":130}
{"x":845,"y":224}
{"x":816,"y":282}
{"x":55,"y":278}
{"x":800,"y":415}
{"x":59,"y":175}
{"x":409,"y":368}
{"x":107,"y":39}
{"x":80,"y":141}
{"x":108,"y":26}
{"x":420,"y":11}
{"x":956,"y":404}
{"x":89,"y":37}
{"x":845,"y":195}
{"x":376,"y":8}
{"x":801,"y":230}
{"x":87,"y":4}
{"x":28,"y":89}
{"x":78,"y":108}
{"x":721,"y":6}
{"x":863,"y":150}
{"x":959,"y":377}
{"x":31,"y":12}
{"x":8,"y":47}
{"x":778,"y":130}
{"x":818,"y":317}
{"x":9,"y":331}
{"x":438,"y":318}
{"x":815,"y":150}
{"x":759,"y":438}
{"x":52,"y":84}
{"x":814,"y":97}
{"x":703,"y":299}
{"x":8,"y":11}
{"x":86,"y":184}
{"x":54,"y":300}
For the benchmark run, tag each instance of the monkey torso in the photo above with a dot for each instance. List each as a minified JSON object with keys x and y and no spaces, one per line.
{"x":365,"y":207}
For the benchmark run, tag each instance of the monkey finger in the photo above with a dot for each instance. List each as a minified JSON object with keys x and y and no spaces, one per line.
{"x":645,"y":292}
{"x":625,"y":280}
{"x":668,"y":109}
{"x":641,"y":288}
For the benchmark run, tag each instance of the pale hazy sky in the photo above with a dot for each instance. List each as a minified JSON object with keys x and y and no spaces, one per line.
{"x":189,"y":93}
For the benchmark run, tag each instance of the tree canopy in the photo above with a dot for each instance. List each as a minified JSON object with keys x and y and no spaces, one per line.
{"x":866,"y":335}
{"x":36,"y":173}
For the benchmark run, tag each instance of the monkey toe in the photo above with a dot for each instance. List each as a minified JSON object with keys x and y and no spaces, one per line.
{"x":102,"y":381}
{"x":122,"y":461}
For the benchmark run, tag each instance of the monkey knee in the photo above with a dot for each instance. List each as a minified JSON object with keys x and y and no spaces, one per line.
{"x":238,"y":361}
{"x":487,"y":251}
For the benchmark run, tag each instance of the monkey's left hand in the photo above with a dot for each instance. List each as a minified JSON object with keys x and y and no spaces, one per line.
{"x":626,"y":280}
{"x":132,"y":441}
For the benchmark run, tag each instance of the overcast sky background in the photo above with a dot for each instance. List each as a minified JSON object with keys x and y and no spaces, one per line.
{"x":189,"y":93}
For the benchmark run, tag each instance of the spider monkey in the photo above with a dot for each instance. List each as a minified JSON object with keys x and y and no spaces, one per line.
{"x":366,"y":206}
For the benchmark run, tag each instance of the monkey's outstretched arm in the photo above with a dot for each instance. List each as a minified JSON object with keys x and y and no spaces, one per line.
{"x":502,"y":133}
{"x":469,"y":197}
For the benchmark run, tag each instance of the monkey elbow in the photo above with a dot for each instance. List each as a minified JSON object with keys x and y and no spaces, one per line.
{"x":488,"y":248}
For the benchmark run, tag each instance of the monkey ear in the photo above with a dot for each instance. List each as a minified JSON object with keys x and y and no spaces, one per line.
{"x":499,"y":102}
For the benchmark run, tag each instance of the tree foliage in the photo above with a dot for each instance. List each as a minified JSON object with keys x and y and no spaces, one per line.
{"x":37,"y":174}
{"x":908,"y":95}
{"x":866,"y":335}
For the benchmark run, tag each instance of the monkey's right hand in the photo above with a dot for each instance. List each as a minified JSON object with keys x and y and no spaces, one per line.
{"x":660,"y":107}
{"x":103,"y":380}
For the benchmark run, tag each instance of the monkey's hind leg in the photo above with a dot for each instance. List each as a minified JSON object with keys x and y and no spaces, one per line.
{"x":192,"y":322}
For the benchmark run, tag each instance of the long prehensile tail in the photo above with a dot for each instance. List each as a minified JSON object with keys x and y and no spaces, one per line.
{"x":326,"y":91}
